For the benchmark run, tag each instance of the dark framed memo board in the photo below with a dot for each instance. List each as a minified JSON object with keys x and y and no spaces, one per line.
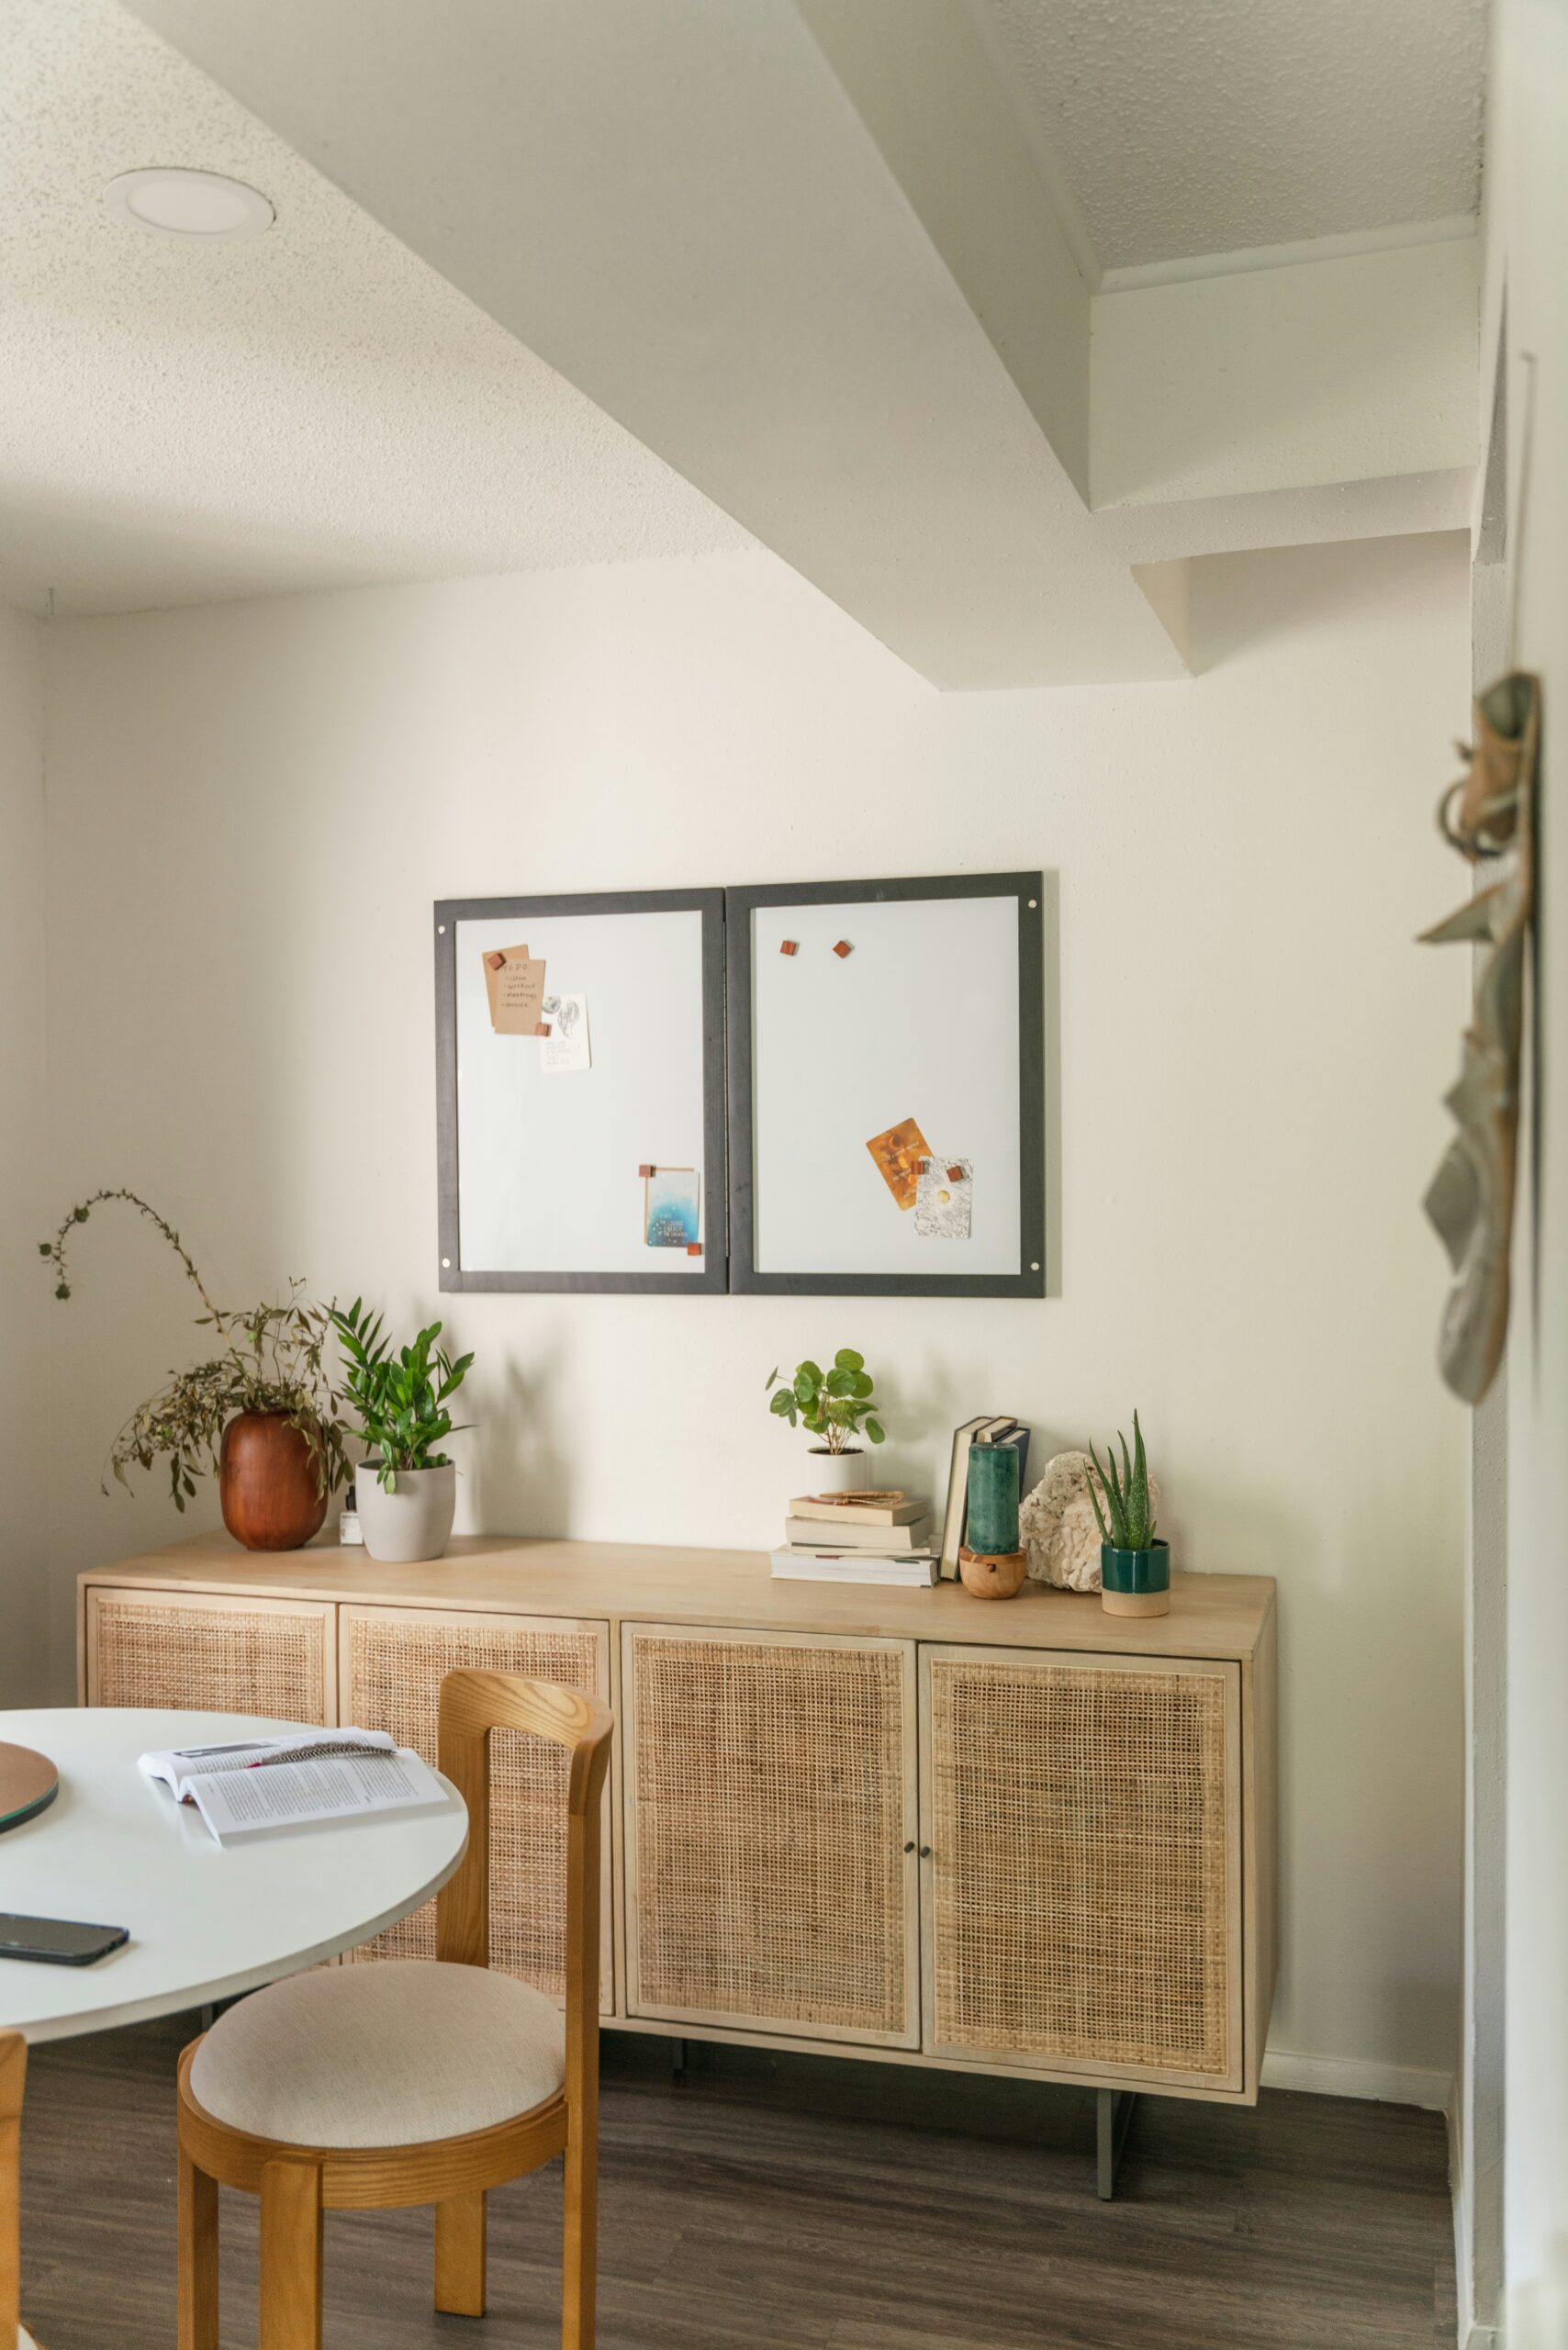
{"x":887,"y":1088}
{"x":580,"y":1091}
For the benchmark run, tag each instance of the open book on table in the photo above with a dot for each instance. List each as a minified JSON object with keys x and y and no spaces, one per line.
{"x":295,"y":1780}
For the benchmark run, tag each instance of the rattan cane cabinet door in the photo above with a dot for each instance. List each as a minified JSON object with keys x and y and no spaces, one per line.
{"x":1082,"y":1902}
{"x":211,"y":1654}
{"x":392,"y":1662}
{"x":770,"y":1832}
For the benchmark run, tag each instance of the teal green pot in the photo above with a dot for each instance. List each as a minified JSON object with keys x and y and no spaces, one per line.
{"x":1136,"y":1582}
{"x":1136,"y":1570}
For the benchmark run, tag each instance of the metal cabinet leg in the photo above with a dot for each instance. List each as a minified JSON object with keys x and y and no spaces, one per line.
{"x":677,"y":2061}
{"x":1113,"y":2120}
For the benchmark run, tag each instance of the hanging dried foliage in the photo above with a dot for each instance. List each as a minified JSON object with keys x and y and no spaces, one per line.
{"x":1489,"y":817}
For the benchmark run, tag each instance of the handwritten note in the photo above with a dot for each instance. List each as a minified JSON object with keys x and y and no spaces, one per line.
{"x":566,"y":1045}
{"x":514,"y":983}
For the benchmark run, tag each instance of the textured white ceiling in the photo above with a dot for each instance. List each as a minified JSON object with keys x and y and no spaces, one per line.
{"x":1197,"y":126}
{"x":182,"y":421}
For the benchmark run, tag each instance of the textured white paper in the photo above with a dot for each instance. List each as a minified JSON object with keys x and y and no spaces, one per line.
{"x":943,"y":1203}
{"x":566,"y":1045}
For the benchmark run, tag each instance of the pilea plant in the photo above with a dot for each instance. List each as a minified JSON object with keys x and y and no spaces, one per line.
{"x":400,"y":1398}
{"x":833,"y":1406}
{"x":1128,"y":1503}
{"x":272,"y":1358}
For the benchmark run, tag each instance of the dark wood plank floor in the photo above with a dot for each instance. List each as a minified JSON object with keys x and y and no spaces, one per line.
{"x":793,"y":2204}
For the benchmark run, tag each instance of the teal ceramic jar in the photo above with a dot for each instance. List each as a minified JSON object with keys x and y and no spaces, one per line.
{"x":993,"y":1499}
{"x":1136,"y":1582}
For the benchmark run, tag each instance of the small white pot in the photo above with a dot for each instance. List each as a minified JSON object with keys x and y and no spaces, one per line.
{"x":836,"y":1472}
{"x":411,"y":1522}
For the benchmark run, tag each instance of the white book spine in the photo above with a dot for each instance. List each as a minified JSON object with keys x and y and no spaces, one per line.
{"x":805,"y":1566}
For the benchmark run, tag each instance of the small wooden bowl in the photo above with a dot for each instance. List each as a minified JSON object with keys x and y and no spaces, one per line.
{"x":991,"y":1574}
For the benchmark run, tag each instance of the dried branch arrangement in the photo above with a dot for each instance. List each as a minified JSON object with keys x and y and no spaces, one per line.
{"x":272,"y":1358}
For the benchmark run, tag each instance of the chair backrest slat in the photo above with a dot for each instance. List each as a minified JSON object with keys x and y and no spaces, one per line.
{"x":473,"y":1706}
{"x":13,"y":2075}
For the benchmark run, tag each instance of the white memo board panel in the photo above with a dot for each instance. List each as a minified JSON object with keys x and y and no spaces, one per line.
{"x":919,"y":1021}
{"x":545,"y":1165}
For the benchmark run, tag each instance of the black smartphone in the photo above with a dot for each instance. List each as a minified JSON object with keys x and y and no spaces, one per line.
{"x":56,"y":1942}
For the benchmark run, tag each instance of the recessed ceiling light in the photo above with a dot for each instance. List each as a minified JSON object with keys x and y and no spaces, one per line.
{"x":188,"y":204}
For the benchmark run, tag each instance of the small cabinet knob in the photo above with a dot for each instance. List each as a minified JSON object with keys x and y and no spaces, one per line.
{"x":909,"y":1846}
{"x":925,"y":1852}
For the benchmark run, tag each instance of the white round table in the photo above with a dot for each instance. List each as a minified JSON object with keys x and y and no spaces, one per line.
{"x":207,"y":1921}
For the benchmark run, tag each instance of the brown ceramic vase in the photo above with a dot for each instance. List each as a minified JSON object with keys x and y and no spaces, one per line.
{"x":266,"y":1483}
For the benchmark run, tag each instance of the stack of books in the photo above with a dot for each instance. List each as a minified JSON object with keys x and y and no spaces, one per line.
{"x":859,"y":1538}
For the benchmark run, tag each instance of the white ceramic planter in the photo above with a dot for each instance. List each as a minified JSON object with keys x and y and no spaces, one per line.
{"x":836,"y":1472}
{"x":411,"y":1522}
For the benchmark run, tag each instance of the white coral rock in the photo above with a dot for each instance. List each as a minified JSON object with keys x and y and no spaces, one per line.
{"x":1057,"y":1528}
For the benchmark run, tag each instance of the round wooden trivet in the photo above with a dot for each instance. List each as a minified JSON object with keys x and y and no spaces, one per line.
{"x":28,"y":1785}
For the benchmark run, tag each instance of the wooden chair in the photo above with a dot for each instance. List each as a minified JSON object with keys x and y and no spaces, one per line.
{"x":13,"y":2076}
{"x":361,"y":2088}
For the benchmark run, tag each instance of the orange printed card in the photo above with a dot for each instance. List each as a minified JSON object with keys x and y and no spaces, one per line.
{"x":898,"y":1153}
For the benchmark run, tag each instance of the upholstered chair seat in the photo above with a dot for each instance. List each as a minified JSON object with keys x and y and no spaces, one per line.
{"x":395,"y":2054}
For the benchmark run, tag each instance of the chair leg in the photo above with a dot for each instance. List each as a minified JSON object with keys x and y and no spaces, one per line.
{"x":460,"y":2255}
{"x":579,"y":2276}
{"x":291,"y":2255}
{"x":197,"y":2224}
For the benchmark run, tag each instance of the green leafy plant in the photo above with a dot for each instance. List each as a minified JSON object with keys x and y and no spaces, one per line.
{"x":831,"y":1405}
{"x":272,"y":1358}
{"x":1127,"y":1497}
{"x":400,"y":1397}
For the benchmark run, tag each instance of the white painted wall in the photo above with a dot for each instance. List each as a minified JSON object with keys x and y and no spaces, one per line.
{"x":1527,"y":259}
{"x":254,"y":806}
{"x":1351,"y":370}
{"x":24,"y":1197}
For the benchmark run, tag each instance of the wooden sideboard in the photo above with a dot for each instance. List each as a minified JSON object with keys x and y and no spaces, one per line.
{"x":1019,"y":1836}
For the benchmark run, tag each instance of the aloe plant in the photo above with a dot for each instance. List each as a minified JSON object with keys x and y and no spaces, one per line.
{"x":1127,"y":1498}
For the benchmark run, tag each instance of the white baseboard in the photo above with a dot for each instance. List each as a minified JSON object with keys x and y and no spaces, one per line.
{"x":1358,"y":2076}
{"x":1482,"y":2337}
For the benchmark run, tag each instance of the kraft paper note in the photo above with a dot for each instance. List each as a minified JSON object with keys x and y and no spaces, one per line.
{"x":514,"y":983}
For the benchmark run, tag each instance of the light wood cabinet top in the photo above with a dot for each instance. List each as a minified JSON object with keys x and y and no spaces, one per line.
{"x":1210,"y":1616}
